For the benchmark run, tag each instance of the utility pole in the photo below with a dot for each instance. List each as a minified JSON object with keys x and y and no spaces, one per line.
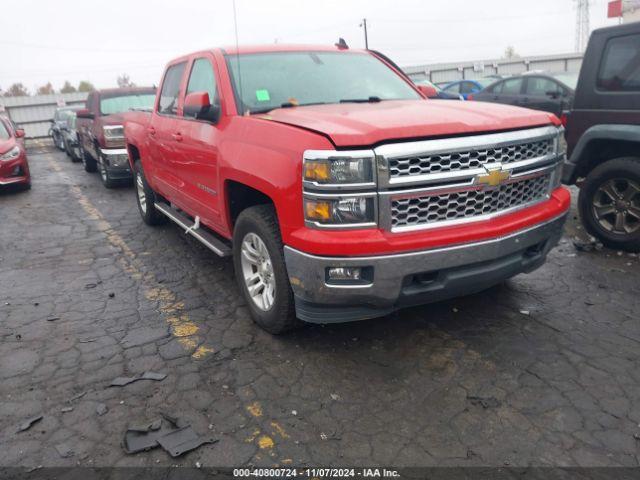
{"x":582,"y":24}
{"x":366,"y":38}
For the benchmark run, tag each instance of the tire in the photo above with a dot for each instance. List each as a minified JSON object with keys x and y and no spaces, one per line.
{"x":147,"y":208}
{"x":609,"y":203}
{"x":261,"y":222}
{"x":107,"y":181}
{"x":67,"y":150}
{"x":87,"y":161}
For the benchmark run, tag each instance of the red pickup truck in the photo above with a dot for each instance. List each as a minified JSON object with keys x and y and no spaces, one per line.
{"x":101,"y":133}
{"x":340,"y":190}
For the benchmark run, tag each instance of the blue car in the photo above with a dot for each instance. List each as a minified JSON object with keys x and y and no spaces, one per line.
{"x":468,"y":87}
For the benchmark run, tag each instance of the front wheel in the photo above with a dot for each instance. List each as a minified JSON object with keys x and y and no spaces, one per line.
{"x":88,"y":162}
{"x":609,"y":203}
{"x":107,"y":181}
{"x":260,"y":269}
{"x":146,"y":199}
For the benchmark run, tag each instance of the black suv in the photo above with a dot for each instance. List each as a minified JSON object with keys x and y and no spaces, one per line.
{"x":603,"y":137}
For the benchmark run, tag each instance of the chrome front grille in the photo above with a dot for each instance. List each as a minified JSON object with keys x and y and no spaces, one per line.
{"x":435,"y":208}
{"x":468,"y":159}
{"x":448,"y":181}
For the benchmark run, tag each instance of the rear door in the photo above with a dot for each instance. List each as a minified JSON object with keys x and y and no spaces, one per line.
{"x":197,"y":162}
{"x":510,"y":91}
{"x":542,"y":93}
{"x":161,"y":132}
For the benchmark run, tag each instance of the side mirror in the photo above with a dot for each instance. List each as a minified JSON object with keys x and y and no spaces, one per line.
{"x":85,"y":113}
{"x":20,"y":133}
{"x":198,"y":105}
{"x":427,"y":91}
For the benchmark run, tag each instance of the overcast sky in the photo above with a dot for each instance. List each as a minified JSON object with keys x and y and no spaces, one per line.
{"x":43,"y":40}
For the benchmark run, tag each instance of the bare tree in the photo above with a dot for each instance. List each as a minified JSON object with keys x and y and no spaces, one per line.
{"x":124,"y":81}
{"x":510,"y":52}
{"x":17,"y":90}
{"x":86,"y":86}
{"x":67,"y":87}
{"x":46,"y":89}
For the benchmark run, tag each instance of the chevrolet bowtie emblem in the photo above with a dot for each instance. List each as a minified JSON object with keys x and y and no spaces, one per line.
{"x":494,"y":177}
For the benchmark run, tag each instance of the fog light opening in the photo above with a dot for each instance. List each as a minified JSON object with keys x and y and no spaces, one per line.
{"x":355,"y":276}
{"x":345,"y":273}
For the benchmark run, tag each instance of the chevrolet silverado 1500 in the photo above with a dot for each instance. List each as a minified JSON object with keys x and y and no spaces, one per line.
{"x":341,"y":192}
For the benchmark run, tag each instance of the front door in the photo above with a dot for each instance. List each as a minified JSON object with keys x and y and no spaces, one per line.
{"x":197,"y":163}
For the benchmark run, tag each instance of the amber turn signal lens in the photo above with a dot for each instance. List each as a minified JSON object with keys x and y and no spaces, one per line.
{"x":318,"y":210}
{"x":316,"y":171}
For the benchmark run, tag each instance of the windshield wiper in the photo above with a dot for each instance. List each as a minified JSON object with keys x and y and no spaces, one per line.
{"x":362,"y":100}
{"x":284,"y":105}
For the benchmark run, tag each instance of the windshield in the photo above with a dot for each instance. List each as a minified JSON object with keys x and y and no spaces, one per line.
{"x":484,"y":82}
{"x":124,"y":103}
{"x":569,"y":79}
{"x":269,"y":80}
{"x":4,"y":134}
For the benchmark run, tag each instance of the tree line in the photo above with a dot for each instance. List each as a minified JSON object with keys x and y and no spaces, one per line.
{"x":18,"y":89}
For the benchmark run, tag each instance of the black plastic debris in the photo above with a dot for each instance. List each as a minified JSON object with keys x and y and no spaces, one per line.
{"x":122,"y":381}
{"x":64,"y":450}
{"x":165,"y":433}
{"x":101,"y":409}
{"x":53,"y":319}
{"x":183,"y":440}
{"x":140,"y":440}
{"x":28,"y":423}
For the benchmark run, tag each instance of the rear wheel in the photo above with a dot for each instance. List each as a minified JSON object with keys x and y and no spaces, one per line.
{"x":609,"y":203}
{"x":146,"y":199}
{"x":261,"y":271}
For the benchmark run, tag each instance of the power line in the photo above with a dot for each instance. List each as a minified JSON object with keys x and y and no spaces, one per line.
{"x":582,"y":24}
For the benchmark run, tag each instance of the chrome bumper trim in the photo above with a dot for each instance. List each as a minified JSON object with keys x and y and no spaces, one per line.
{"x":307,"y":271}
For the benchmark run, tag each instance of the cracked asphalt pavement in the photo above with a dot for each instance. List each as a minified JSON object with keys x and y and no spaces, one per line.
{"x":541,"y":370}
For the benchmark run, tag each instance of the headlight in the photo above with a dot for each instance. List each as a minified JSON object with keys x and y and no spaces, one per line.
{"x":326,"y":169}
{"x":357,"y":211}
{"x":560,"y":143}
{"x":11,"y":154}
{"x":113,"y":135}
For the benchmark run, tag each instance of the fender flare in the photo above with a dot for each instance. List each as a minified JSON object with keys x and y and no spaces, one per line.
{"x":611,"y":132}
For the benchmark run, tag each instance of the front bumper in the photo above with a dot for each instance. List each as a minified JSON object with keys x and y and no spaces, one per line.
{"x":15,"y":171}
{"x":116,"y":161}
{"x":415,"y":278}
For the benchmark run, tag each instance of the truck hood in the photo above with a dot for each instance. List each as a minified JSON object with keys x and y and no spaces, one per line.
{"x":366,"y":124}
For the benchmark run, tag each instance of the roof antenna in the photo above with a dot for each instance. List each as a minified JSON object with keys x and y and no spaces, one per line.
{"x":342,"y":45}
{"x":235,"y":25}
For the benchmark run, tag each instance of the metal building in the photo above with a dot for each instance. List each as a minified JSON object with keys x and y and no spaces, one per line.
{"x":448,"y":72}
{"x":34,"y":114}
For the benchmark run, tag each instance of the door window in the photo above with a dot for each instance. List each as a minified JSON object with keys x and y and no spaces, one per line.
{"x":512,"y":86}
{"x":467,"y":87}
{"x":168,"y":104}
{"x":455,"y":88}
{"x":539,"y":86}
{"x":202,"y":79}
{"x":620,"y":69}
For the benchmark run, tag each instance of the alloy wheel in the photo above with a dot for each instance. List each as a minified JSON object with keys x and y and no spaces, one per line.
{"x":616,"y":206}
{"x":257,"y":271}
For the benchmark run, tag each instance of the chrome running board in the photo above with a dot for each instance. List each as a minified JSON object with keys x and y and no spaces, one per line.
{"x":214,"y":244}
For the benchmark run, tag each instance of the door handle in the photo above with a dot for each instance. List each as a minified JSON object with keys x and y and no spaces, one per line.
{"x":151,"y":130}
{"x":177,"y":137}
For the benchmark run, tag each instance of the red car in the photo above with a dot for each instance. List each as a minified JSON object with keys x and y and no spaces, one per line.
{"x":14,"y":168}
{"x":340,"y":190}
